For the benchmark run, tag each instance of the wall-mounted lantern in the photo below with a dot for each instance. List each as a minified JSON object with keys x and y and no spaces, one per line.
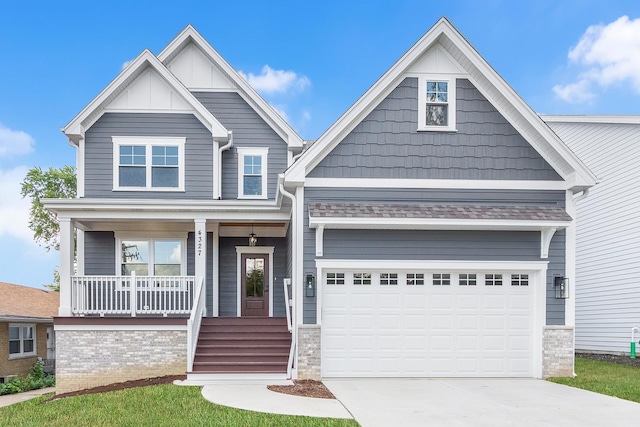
{"x":252,"y":237}
{"x":561,"y":286}
{"x":310,"y":286}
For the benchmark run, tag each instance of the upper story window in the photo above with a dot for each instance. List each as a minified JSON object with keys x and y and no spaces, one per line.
{"x":22,"y":340}
{"x":252,"y":173}
{"x":436,"y":109}
{"x":148,"y":163}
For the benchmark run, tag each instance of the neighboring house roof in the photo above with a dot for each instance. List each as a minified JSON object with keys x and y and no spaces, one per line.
{"x":493,"y":87}
{"x":114,"y":96}
{"x":228,"y":78}
{"x":22,"y":302}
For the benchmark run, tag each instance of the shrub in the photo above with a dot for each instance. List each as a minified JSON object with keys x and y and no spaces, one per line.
{"x":35,"y":380}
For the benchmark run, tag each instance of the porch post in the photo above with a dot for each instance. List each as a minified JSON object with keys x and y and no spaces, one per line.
{"x":66,"y":265}
{"x":201,"y":252}
{"x":215,"y":250}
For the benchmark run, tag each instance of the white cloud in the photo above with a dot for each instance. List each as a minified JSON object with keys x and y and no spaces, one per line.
{"x":276,"y":81}
{"x":14,"y":142}
{"x":606,"y":55}
{"x":281,"y":110}
{"x":125,"y":64}
{"x":14,"y":210}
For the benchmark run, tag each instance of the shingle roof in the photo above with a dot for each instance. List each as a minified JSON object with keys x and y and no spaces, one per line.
{"x":429,"y":211}
{"x":23,"y":301}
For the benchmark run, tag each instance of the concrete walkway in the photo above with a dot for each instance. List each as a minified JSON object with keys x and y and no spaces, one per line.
{"x":10,"y":399}
{"x":256,"y":397}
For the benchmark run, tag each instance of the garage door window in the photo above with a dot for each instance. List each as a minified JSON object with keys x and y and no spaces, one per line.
{"x":415,"y":279}
{"x":361,"y":278}
{"x":493,"y":279}
{"x":519,"y":280}
{"x":335,"y":278}
{"x":388,"y":279}
{"x":467,"y":279}
{"x":441,"y":279}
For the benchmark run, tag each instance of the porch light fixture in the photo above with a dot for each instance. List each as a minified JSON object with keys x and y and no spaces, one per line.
{"x":252,"y":237}
{"x":310,"y":286}
{"x":561,"y":286}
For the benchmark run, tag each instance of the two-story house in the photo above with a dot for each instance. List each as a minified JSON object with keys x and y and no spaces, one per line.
{"x":428,"y":232}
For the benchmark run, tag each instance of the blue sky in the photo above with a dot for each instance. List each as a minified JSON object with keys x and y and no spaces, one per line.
{"x":310,"y":60}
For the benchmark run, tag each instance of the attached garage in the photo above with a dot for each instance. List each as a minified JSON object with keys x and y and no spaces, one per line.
{"x":431,"y":319}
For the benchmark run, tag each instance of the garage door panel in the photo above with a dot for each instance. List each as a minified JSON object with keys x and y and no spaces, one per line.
{"x":427,"y":330}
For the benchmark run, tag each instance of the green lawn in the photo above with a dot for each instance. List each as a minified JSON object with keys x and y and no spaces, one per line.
{"x":605,"y":378}
{"x":161,"y":405}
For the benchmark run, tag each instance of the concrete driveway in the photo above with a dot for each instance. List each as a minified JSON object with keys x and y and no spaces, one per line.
{"x":477,"y":403}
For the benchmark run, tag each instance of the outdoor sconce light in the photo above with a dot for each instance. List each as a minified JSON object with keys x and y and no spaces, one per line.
{"x":310,"y":286}
{"x":561,"y":286}
{"x":252,"y":237}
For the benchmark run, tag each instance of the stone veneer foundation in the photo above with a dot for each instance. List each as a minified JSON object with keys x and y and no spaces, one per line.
{"x":87,"y":358}
{"x":309,"y":352}
{"x":557,"y":351}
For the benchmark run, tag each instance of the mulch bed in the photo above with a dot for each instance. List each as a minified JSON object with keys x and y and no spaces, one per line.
{"x":619,"y":359}
{"x":305,"y":388}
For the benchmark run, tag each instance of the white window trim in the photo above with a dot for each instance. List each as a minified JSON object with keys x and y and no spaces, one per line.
{"x":148,"y":142}
{"x":22,"y":354}
{"x":246,"y":151}
{"x":422,"y":103}
{"x":151,"y":239}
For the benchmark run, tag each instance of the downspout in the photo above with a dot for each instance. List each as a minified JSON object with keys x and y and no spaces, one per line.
{"x":225,"y":147}
{"x":581,"y":196}
{"x":294,"y":273}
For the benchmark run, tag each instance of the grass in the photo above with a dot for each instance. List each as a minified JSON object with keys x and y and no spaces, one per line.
{"x":161,"y":405}
{"x":605,"y":378}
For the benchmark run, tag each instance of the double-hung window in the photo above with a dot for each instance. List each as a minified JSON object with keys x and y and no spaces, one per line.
{"x":148,"y":163}
{"x":252,"y":173}
{"x":22,"y":340}
{"x":436,"y":109}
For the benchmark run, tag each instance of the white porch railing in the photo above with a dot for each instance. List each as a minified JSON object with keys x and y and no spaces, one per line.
{"x":194,"y":322}
{"x":113,"y":295}
{"x":288,"y":304}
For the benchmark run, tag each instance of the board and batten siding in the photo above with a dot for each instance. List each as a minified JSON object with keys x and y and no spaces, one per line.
{"x":386,"y":143}
{"x":606,"y":286}
{"x":250,"y":131}
{"x":98,"y":151}
{"x":435,"y":244}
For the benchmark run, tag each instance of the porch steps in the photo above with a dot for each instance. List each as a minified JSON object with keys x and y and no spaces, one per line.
{"x":250,"y":345}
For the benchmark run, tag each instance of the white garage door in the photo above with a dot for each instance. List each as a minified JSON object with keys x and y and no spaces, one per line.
{"x":427,"y":324}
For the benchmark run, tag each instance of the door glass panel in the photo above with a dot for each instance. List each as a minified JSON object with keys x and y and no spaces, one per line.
{"x":254,"y":276}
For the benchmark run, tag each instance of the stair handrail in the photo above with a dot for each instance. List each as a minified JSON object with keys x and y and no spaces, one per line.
{"x":287,"y":302}
{"x":194,"y":322}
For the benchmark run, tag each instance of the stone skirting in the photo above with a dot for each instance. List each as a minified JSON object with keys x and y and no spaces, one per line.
{"x":557,"y":351}
{"x":309,"y":352}
{"x":91,"y":358}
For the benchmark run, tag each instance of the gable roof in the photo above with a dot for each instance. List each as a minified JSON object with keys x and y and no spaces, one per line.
{"x":486,"y":80}
{"x":25,"y":302}
{"x":190,"y":36}
{"x":145,"y":61}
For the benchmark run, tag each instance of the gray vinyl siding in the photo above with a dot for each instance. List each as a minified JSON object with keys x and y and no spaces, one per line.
{"x":386,"y":144}
{"x":99,"y":253}
{"x":228,"y":279}
{"x":249,"y":130}
{"x":435,"y":244}
{"x":99,"y":153}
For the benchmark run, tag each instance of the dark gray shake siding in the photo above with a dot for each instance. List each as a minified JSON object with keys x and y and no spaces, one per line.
{"x":99,"y":153}
{"x":249,"y":130}
{"x":229,"y":270}
{"x":434,"y":244}
{"x":386,"y":144}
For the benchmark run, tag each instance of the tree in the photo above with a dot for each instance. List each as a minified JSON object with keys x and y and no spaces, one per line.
{"x":49,"y":184}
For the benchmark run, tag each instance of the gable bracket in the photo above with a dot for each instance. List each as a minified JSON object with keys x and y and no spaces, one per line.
{"x":546,"y":234}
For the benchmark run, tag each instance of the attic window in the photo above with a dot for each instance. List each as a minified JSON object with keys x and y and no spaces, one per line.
{"x":436,"y":109}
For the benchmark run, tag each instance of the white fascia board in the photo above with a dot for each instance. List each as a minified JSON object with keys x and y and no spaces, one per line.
{"x":456,"y":265}
{"x":120,"y":327}
{"x":245,"y":90}
{"x":78,"y":125}
{"x":596,"y":119}
{"x":431,"y":224}
{"x":435,"y":183}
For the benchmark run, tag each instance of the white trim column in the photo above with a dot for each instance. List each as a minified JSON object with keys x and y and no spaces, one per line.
{"x":570,"y":262}
{"x":80,"y":252}
{"x":201,"y":252}
{"x":215,"y":274}
{"x":66,"y":265}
